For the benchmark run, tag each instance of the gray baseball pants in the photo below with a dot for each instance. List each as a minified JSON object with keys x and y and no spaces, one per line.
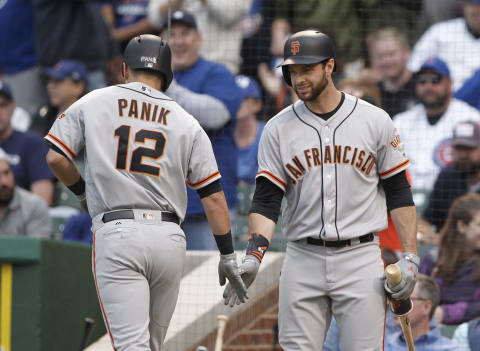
{"x":317,"y":281}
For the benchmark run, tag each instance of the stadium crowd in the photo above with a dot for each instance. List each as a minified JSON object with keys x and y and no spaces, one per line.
{"x":418,"y":60}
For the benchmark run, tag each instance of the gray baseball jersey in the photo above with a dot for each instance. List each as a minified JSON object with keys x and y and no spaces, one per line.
{"x":139,"y":157}
{"x":330,"y":170}
{"x":140,"y":149}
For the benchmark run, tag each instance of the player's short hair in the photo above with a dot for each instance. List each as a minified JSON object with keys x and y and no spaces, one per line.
{"x":428,"y":289}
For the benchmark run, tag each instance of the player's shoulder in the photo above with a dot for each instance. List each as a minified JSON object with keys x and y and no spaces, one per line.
{"x":284,"y":116}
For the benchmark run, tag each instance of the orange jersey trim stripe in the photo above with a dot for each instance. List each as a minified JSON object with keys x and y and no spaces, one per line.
{"x":391,"y":170}
{"x":98,"y":293}
{"x":267,"y":173}
{"x":204,"y":180}
{"x":72,"y":154}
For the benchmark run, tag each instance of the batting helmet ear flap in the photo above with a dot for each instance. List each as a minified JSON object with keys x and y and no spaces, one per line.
{"x":286,"y":75}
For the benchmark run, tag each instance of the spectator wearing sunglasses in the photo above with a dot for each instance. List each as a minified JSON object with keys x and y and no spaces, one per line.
{"x":427,"y":127}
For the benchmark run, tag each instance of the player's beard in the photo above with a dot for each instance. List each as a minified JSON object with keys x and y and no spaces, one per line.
{"x":315,"y":91}
{"x":6,"y":195}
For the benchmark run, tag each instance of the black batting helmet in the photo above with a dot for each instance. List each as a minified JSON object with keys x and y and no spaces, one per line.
{"x":306,"y":47}
{"x":150,"y":52}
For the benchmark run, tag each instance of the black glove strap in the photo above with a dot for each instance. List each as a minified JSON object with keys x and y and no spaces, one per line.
{"x":257,"y":246}
{"x":224,"y":243}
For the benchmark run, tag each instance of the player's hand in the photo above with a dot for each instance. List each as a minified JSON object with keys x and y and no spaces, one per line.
{"x":248,"y":271}
{"x":228,"y":269}
{"x":408,"y":265}
{"x":83,"y":201}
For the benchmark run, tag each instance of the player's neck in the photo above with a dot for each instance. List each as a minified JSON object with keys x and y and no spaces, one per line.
{"x":152,"y":82}
{"x":327,"y":101}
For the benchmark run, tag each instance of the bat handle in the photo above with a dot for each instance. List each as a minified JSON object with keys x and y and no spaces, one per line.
{"x":222,"y":323}
{"x":394,"y":275}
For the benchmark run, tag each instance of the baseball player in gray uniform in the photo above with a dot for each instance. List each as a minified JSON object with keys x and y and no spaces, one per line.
{"x":140,"y":149}
{"x":339,"y":162}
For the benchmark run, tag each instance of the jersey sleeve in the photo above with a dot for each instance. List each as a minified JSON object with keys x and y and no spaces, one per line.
{"x":202,"y":166}
{"x":269,"y":162}
{"x":67,"y":132}
{"x":391,"y":157}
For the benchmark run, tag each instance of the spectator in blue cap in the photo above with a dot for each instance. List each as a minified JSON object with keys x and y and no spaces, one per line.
{"x":67,"y":82}
{"x":433,"y":119}
{"x":248,"y":129}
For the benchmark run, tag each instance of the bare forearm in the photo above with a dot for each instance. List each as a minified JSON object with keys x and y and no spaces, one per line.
{"x":63,"y":169}
{"x":260,"y":224}
{"x":405,"y":220}
{"x":216,"y":209}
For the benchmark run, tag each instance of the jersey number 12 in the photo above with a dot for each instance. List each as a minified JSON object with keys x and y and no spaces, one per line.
{"x":136,"y":164}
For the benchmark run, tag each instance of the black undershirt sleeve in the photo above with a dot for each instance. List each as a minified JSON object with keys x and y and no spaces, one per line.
{"x":210,"y":189}
{"x":397,"y":191}
{"x":267,"y":199}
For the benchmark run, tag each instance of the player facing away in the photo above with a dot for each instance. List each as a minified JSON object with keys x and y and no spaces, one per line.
{"x":140,"y":149}
{"x":339,"y":163}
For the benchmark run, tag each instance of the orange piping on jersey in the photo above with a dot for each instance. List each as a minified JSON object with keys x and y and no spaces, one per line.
{"x":72,"y":154}
{"x":274,"y":177}
{"x":206,"y":179}
{"x":98,"y":292}
{"x":391,"y":170}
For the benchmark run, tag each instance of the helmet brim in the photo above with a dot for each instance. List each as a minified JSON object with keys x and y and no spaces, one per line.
{"x":303,"y":60}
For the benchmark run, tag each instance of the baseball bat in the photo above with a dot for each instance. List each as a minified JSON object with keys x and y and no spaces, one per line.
{"x":394,"y":277}
{"x":222,"y":323}
{"x":89,"y":322}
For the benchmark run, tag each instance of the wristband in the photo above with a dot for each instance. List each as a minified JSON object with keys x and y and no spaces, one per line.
{"x":224,"y":243}
{"x":78,"y":188}
{"x":257,"y":246}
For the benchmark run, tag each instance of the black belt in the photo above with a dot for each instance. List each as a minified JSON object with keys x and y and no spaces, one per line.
{"x":340,"y":243}
{"x":128,"y":214}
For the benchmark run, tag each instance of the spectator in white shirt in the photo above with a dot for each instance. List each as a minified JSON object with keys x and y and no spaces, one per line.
{"x":456,"y":41}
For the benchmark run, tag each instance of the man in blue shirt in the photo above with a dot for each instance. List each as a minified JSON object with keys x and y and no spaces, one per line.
{"x":425,"y":329}
{"x":26,"y":151}
{"x":208,"y":91}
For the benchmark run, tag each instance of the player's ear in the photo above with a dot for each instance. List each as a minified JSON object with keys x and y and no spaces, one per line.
{"x":124,"y":71}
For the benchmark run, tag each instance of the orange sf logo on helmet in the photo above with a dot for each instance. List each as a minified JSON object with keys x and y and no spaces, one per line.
{"x":295,"y":47}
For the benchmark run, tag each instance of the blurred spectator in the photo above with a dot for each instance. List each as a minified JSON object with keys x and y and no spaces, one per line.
{"x":25,"y":150}
{"x":363,"y":89}
{"x":208,"y":91}
{"x":431,"y":120}
{"x":470,"y":91}
{"x":67,"y":82}
{"x":218,"y":20}
{"x":73,"y":30}
{"x":78,"y":228}
{"x":456,"y":41}
{"x":248,"y":129}
{"x":467,"y":336}
{"x":18,"y":61}
{"x":455,"y":180}
{"x":397,"y":84}
{"x":425,"y":329}
{"x":21,"y":120}
{"x":21,"y":212}
{"x":126,"y":19}
{"x":434,"y":11}
{"x":455,"y":265}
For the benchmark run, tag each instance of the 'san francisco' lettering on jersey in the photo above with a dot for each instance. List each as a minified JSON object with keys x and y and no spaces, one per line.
{"x":348,"y":155}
